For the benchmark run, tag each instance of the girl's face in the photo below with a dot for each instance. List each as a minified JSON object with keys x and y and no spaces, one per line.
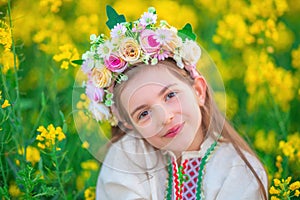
{"x":164,"y":109}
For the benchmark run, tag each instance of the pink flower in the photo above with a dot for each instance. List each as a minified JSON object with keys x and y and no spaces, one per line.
{"x":115,"y":63}
{"x":162,"y":54}
{"x":138,"y":28}
{"x":94,"y":93}
{"x":192,"y":69}
{"x":148,"y":42}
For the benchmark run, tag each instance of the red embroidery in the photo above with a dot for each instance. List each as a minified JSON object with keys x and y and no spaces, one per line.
{"x":192,"y":170}
{"x":185,"y":181}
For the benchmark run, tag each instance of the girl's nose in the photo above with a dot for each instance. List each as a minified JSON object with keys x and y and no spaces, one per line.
{"x":169,"y":116}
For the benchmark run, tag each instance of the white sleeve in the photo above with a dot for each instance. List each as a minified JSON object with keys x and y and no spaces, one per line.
{"x":115,"y":185}
{"x":240,"y":184}
{"x":124,"y":173}
{"x":229,"y":178}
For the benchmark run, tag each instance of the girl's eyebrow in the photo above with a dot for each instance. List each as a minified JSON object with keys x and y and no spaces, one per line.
{"x":159,"y":94}
{"x":165,"y":89}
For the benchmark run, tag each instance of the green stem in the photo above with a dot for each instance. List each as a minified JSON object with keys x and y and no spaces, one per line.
{"x":15,"y":114}
{"x":54,"y":156}
{"x":37,"y":122}
{"x":15,"y":57}
{"x":2,"y":171}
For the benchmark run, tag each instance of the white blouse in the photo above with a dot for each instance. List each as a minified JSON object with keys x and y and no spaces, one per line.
{"x":133,"y":169}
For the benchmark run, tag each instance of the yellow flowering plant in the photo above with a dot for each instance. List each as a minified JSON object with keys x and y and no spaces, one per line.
{"x":284,"y":190}
{"x":48,"y":137}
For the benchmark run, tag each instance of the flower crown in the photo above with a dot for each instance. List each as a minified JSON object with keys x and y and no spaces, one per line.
{"x":131,"y":43}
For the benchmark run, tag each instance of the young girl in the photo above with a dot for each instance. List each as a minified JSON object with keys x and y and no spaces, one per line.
{"x":171,"y":141}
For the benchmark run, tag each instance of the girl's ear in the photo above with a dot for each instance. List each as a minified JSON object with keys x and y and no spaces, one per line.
{"x":122,"y":122}
{"x":200,"y":87}
{"x":127,"y":125}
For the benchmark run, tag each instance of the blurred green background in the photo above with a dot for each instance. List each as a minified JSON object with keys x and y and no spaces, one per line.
{"x":254,"y":43}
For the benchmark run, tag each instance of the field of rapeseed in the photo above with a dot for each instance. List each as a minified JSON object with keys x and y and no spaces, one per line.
{"x":254,"y":43}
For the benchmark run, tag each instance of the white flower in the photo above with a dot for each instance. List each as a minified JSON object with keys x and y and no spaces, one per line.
{"x":99,"y":111}
{"x":118,"y":30}
{"x":190,"y":52}
{"x":89,"y":62}
{"x":94,"y":38}
{"x":104,"y":50}
{"x":148,"y":18}
{"x":87,"y":55}
{"x":163,"y":36}
{"x":178,"y":60}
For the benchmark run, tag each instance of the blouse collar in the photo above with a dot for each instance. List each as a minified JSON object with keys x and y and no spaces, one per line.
{"x":194,"y":154}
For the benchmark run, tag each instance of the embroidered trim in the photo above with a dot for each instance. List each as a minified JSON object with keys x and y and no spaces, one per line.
{"x":174,"y":172}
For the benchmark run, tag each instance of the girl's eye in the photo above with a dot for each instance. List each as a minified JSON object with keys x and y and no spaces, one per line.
{"x":143,"y":114}
{"x":170,"y":95}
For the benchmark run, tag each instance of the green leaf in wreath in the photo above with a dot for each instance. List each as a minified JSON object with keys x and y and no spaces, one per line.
{"x":113,"y":17}
{"x":77,"y":62}
{"x":187,"y":33}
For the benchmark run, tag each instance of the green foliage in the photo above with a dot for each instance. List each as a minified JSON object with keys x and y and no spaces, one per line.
{"x":113,"y":17}
{"x":187,"y":33}
{"x":33,"y":187}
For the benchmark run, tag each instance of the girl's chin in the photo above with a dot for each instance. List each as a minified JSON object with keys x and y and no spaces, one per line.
{"x":177,"y":147}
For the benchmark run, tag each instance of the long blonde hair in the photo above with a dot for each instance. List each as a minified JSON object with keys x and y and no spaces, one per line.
{"x":212,"y":119}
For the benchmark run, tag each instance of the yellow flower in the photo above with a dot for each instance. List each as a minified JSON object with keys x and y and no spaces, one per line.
{"x":32,"y":155}
{"x":66,"y":55}
{"x":295,"y":186}
{"x":261,"y":72}
{"x":274,"y":198}
{"x":59,"y":134}
{"x":297,"y":193}
{"x":288,"y":180}
{"x":130,"y":50}
{"x":41,"y":146}
{"x":90,"y":165}
{"x":85,"y":145}
{"x":7,"y":61}
{"x":17,"y":162}
{"x":40,"y":138}
{"x":265,"y":142}
{"x":276,"y":182}
{"x":287,"y":149}
{"x":5,"y":104}
{"x":14,"y":190}
{"x":52,"y":5}
{"x":274,"y":191}
{"x":89,"y":193}
{"x":296,"y":58}
{"x":101,"y":77}
{"x":48,"y":137}
{"x":233,"y":28}
{"x":82,"y":178}
{"x":5,"y":36}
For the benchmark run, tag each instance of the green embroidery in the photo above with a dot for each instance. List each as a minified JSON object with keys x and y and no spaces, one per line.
{"x":184,"y":177}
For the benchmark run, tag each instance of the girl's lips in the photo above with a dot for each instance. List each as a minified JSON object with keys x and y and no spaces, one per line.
{"x":172,"y":132}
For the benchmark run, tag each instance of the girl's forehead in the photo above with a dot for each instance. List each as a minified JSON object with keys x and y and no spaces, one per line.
{"x":147,"y":82}
{"x":151,"y":76}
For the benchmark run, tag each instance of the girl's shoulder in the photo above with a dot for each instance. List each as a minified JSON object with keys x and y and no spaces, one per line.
{"x":132,"y":155}
{"x":228,"y":155}
{"x":228,"y":175}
